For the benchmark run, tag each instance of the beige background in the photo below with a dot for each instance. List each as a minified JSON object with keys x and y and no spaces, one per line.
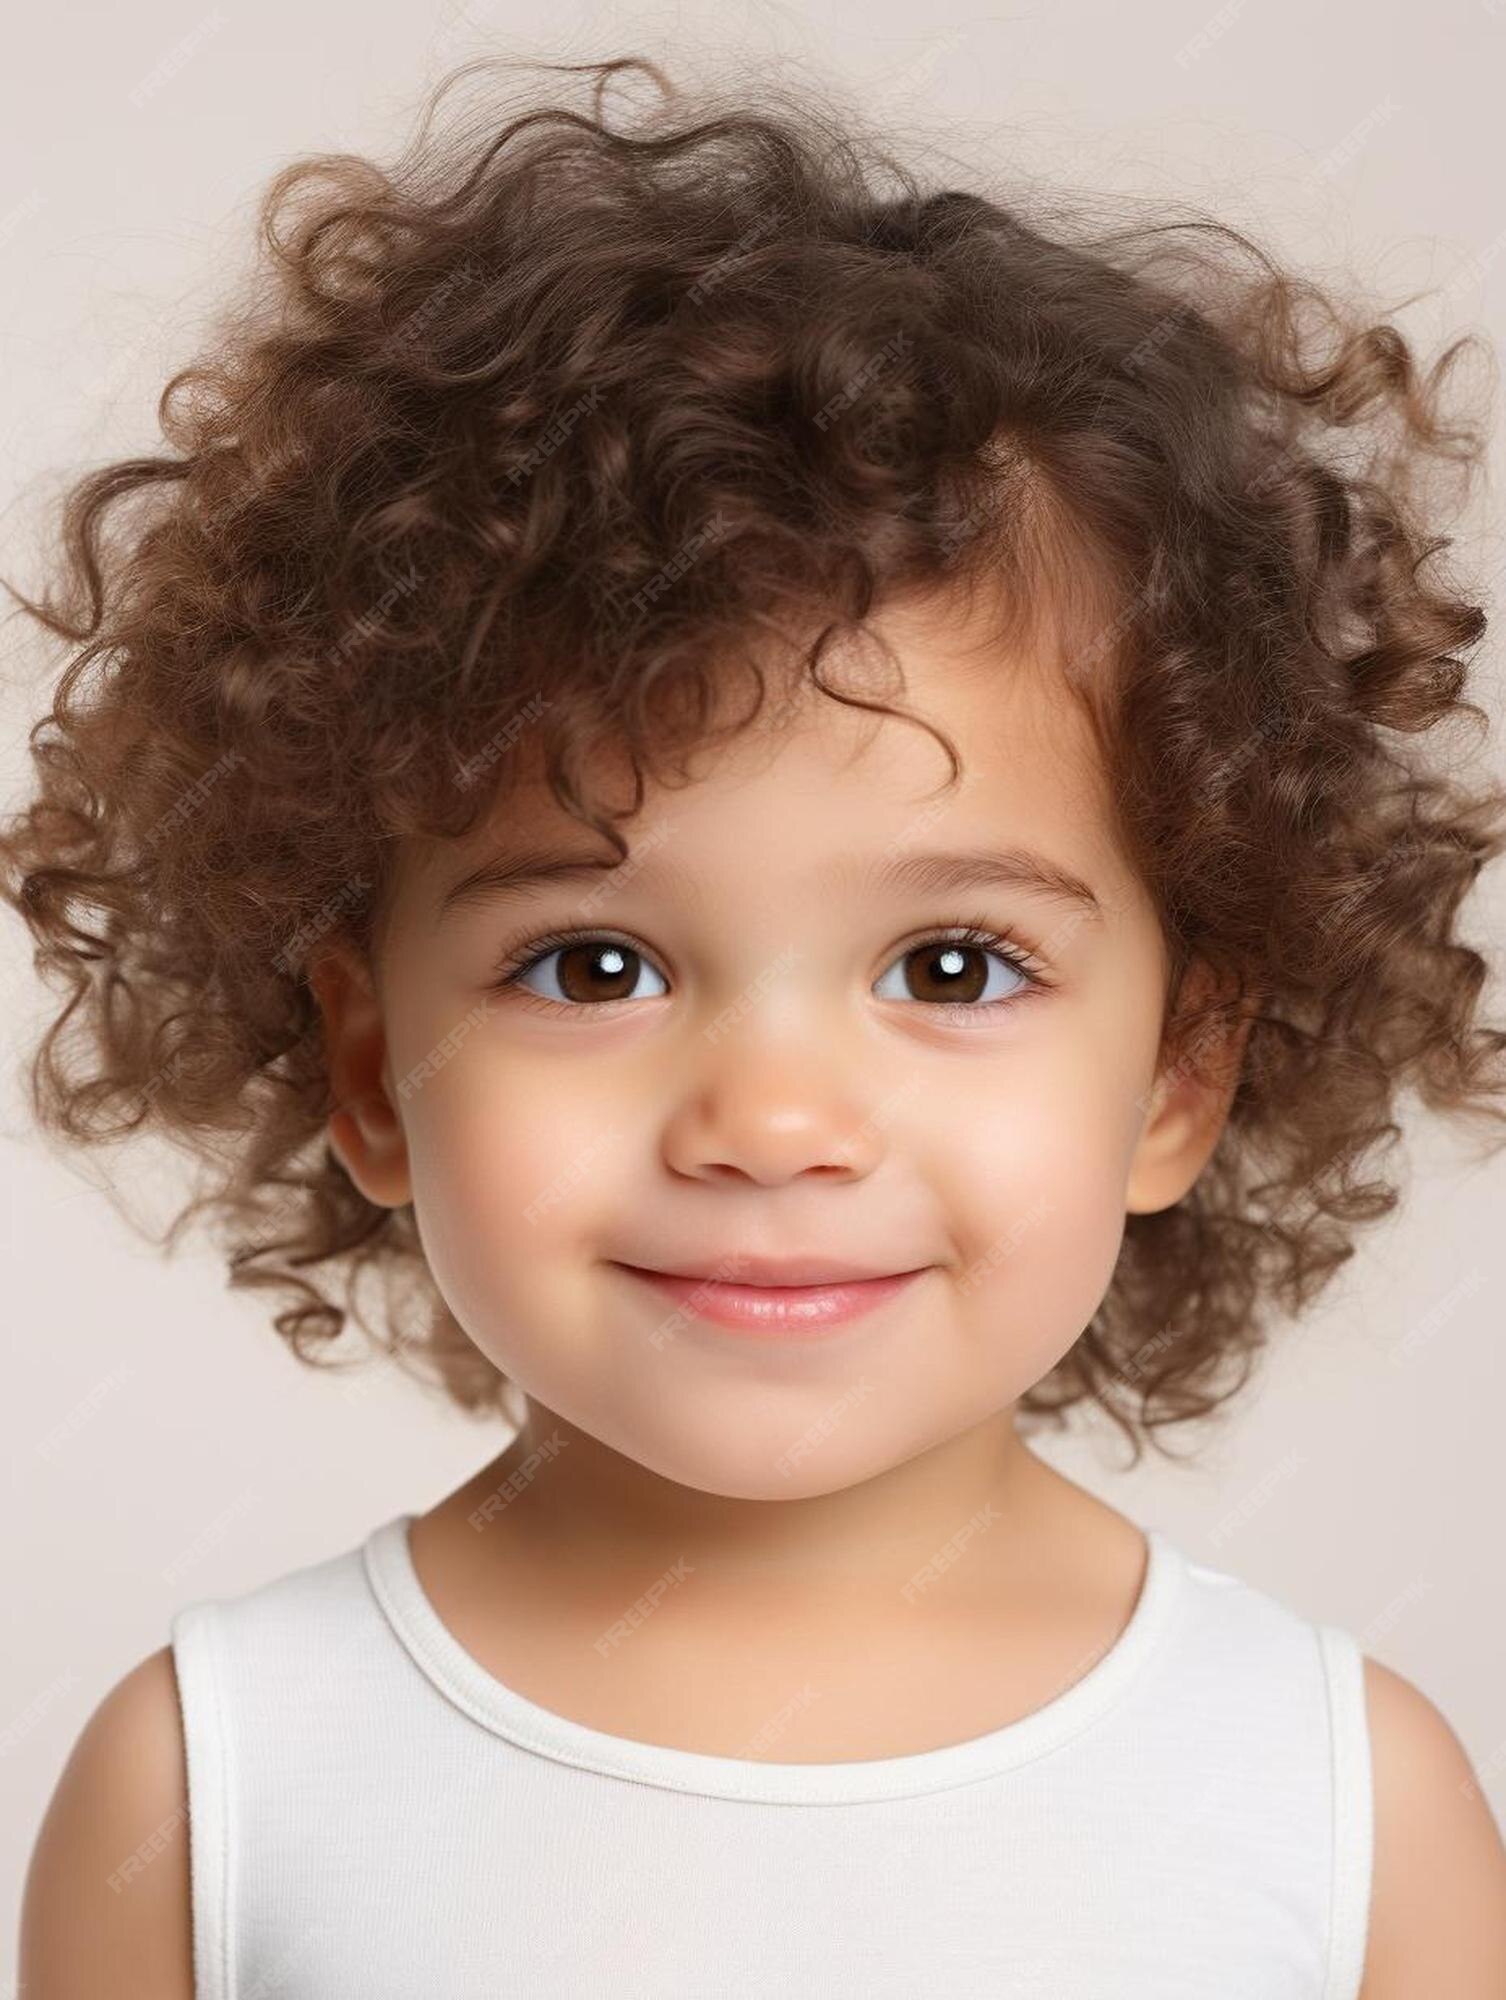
{"x":158,"y":1444}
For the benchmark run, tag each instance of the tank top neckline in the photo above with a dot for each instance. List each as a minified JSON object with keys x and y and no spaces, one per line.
{"x":470,"y":1687}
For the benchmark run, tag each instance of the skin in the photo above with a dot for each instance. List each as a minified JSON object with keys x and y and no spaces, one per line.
{"x":827,"y":1117}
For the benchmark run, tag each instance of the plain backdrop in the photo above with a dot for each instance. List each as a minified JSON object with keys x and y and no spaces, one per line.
{"x":159,"y":1444}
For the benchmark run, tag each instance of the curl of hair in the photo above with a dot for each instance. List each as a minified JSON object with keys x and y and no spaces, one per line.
{"x":528,"y":439}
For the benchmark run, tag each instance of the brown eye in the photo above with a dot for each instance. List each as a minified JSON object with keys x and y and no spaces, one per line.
{"x":598,"y":970}
{"x":956,"y":972}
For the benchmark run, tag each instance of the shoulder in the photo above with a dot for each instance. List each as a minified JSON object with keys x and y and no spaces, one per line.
{"x":1438,"y":1889}
{"x":106,"y":1907}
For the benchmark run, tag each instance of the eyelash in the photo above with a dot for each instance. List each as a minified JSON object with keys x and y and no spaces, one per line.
{"x":971,"y":931}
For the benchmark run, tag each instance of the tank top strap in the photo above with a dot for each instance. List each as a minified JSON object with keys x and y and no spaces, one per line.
{"x":1353,"y":1811}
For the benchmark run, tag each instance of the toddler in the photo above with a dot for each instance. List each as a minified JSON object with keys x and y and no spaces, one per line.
{"x":968,"y":691}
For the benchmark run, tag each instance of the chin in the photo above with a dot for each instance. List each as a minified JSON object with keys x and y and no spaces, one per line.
{"x":784,"y":1466}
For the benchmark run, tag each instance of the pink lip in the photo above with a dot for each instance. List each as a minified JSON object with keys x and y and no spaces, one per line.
{"x":788,"y":1311}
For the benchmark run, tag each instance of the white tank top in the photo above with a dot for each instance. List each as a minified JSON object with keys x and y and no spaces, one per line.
{"x":374,"y":1816}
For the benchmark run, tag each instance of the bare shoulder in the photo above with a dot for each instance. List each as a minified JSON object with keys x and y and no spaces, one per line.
{"x":1438,"y":1894}
{"x":106,"y":1908}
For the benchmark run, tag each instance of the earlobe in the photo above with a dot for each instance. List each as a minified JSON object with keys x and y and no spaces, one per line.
{"x":364,"y":1128}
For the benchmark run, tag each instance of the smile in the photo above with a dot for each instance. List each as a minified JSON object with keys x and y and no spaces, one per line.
{"x":788,"y":1311}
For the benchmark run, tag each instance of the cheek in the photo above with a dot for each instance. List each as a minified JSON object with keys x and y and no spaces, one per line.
{"x":510,"y":1174}
{"x":1034,"y":1190}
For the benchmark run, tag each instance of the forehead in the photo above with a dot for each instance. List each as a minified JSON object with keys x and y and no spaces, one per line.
{"x":813,"y":778}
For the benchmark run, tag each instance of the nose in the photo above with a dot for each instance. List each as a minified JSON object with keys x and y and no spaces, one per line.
{"x":768,"y":1114}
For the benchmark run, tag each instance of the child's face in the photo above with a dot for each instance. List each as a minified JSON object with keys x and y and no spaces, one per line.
{"x":772,"y":1085}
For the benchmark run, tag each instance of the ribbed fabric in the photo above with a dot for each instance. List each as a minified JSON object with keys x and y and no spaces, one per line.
{"x":373,"y":1816}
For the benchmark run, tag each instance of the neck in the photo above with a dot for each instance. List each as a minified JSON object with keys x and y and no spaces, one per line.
{"x":560,"y":1497}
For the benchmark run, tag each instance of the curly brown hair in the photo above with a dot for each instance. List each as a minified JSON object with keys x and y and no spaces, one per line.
{"x":523,"y":434}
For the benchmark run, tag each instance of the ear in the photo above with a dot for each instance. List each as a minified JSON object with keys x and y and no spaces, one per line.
{"x":364,"y":1130}
{"x":1189,"y":1101}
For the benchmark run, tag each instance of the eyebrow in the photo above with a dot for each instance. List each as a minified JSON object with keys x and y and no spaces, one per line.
{"x":1012,"y":867}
